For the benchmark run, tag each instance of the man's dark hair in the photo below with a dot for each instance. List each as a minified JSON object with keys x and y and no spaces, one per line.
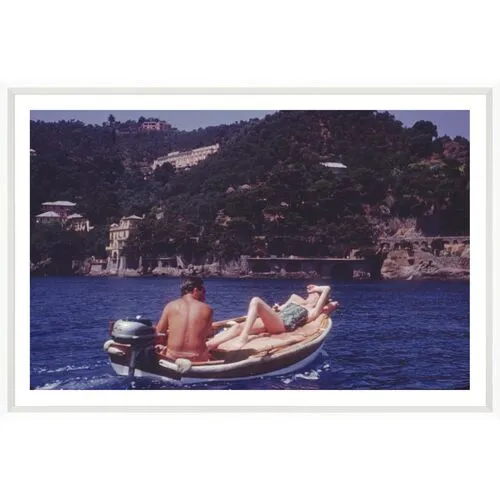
{"x":189,"y":284}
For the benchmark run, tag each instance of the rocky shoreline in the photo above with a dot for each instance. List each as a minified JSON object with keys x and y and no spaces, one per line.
{"x":424,"y":265}
{"x":405,"y":264}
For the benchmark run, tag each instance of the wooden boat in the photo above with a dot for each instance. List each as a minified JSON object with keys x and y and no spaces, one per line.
{"x":131,"y":351}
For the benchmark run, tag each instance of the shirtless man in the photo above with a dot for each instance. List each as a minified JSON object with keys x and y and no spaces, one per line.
{"x":188,"y":321}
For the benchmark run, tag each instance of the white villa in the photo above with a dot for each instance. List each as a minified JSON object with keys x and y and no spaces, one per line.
{"x":77,"y":222}
{"x":118,"y":236}
{"x":185,"y":159}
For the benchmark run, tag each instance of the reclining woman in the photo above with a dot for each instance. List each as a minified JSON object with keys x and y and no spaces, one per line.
{"x":261,"y":317}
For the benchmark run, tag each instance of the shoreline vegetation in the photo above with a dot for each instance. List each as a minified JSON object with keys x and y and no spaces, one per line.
{"x":314,"y":184}
{"x":402,"y":264}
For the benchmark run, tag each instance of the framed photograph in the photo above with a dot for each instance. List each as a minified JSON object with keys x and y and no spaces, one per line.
{"x":285,"y":249}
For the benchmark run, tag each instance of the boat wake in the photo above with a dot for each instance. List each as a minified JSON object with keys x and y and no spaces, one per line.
{"x":84,"y":377}
{"x":313,"y":374}
{"x":67,"y":368}
{"x":47,"y":387}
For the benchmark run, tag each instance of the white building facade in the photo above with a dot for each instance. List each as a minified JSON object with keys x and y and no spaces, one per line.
{"x":185,"y":159}
{"x":118,"y":236}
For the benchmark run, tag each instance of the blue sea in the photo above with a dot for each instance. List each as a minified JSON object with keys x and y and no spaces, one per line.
{"x":386,"y":335}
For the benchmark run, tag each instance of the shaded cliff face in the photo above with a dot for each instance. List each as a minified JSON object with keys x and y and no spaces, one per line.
{"x":452,"y":263}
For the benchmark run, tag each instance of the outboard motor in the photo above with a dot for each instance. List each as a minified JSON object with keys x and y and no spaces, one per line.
{"x":137,"y":333}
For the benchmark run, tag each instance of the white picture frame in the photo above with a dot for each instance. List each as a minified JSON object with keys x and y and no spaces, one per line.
{"x":477,"y":99}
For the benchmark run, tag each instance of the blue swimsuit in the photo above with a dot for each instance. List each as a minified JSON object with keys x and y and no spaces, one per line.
{"x":293,"y":316}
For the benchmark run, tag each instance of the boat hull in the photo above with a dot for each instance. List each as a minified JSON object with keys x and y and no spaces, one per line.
{"x":287,"y":360}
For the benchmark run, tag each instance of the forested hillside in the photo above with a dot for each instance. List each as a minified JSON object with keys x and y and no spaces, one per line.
{"x":265,"y":192}
{"x":102,"y":169}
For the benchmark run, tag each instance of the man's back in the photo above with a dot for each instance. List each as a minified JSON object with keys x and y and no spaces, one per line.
{"x":189,"y":324}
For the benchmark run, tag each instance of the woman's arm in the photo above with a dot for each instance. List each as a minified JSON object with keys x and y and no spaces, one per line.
{"x":296,"y":299}
{"x":278,"y":307}
{"x":323,"y":299}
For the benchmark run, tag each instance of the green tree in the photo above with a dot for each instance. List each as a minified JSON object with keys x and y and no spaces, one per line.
{"x":164,"y":173}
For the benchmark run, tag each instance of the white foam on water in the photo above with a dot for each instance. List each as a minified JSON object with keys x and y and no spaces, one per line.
{"x":48,"y":386}
{"x":67,"y":368}
{"x":312,"y":375}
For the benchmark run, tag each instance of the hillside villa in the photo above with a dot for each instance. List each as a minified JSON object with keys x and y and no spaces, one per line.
{"x":60,"y":212}
{"x":118,"y":236}
{"x":182,"y":160}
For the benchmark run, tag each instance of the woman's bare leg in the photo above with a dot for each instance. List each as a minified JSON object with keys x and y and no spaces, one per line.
{"x":259,"y":309}
{"x":232,"y":332}
{"x":229,"y":334}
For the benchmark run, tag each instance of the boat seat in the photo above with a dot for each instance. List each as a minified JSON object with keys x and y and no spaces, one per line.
{"x":265,"y":343}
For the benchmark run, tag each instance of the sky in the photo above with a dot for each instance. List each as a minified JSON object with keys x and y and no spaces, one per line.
{"x":448,"y":122}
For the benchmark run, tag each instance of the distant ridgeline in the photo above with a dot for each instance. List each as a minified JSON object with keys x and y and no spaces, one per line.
{"x":315,"y":184}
